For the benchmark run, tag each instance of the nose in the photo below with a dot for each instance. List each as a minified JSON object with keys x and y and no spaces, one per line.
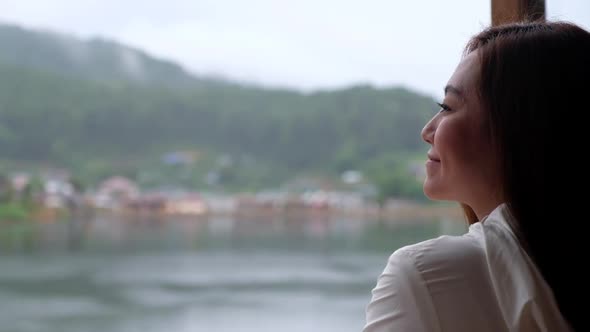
{"x":428,"y":131}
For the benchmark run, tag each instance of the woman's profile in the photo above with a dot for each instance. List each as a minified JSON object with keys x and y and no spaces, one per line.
{"x":498,"y":147}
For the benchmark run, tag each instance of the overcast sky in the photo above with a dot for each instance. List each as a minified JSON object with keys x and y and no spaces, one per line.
{"x":305,"y":44}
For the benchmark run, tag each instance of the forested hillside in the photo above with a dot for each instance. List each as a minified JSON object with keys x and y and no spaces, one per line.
{"x":97,"y":112}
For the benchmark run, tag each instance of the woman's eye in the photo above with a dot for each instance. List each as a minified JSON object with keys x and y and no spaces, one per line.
{"x":444,"y":107}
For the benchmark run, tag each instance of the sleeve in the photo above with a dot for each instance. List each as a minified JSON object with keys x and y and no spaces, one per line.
{"x":401,"y":301}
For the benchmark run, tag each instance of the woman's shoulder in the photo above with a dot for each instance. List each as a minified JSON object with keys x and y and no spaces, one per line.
{"x":468,"y":251}
{"x":445,"y":279}
{"x":444,"y":254}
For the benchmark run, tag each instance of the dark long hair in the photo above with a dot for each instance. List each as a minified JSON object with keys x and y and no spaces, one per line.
{"x":534,"y":85}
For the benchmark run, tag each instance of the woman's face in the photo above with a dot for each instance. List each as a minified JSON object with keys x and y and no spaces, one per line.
{"x":462,"y":165}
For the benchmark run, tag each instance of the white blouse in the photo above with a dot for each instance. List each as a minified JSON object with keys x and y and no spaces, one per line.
{"x":481,"y":281}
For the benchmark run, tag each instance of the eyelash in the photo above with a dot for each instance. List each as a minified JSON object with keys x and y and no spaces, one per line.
{"x":444,"y":107}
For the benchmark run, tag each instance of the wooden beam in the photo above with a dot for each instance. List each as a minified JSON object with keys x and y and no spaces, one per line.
{"x":506,"y":11}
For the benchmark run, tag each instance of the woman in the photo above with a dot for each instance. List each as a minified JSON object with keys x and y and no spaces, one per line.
{"x":497,"y":146}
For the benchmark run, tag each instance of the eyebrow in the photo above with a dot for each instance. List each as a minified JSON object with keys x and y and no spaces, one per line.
{"x":453,"y":89}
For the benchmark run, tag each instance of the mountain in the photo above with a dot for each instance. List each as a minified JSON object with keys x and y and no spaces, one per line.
{"x":100,"y":108}
{"x":94,"y":59}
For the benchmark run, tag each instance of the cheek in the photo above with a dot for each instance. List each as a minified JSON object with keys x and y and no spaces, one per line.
{"x":461,"y":147}
{"x":451,"y":140}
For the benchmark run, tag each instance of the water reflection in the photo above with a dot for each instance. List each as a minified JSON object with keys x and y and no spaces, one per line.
{"x":114,"y":273}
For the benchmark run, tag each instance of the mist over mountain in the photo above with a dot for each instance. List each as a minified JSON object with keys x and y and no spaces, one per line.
{"x":82,"y":103}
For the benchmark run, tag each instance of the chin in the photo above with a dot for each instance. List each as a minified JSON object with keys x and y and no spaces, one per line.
{"x":433,"y":191}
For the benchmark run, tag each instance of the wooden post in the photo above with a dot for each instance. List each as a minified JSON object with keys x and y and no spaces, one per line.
{"x":506,"y":11}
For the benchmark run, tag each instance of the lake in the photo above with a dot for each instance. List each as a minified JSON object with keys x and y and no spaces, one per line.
{"x":145,"y":274}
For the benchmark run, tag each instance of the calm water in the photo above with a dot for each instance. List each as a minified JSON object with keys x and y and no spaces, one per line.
{"x":149,"y":275}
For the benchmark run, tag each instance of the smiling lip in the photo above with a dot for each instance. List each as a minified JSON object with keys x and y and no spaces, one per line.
{"x":431,"y":158}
